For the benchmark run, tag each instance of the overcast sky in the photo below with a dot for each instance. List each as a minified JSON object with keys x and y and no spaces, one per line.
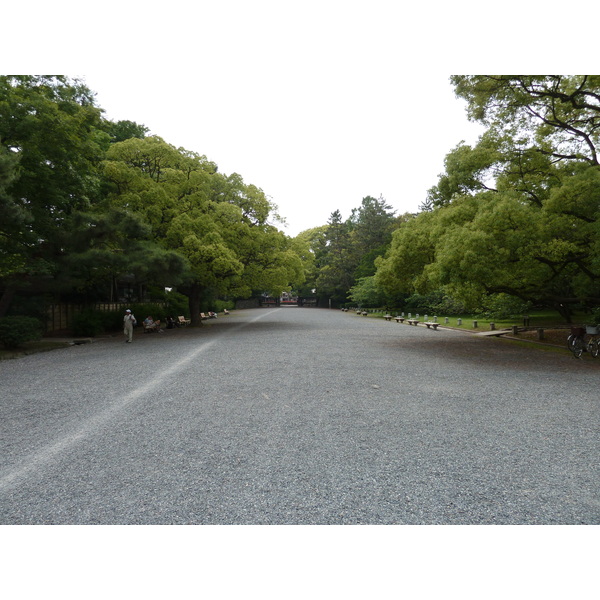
{"x":317,"y":103}
{"x":315,"y":135}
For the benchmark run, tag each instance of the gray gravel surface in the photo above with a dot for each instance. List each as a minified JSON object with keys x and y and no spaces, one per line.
{"x":300,"y":416}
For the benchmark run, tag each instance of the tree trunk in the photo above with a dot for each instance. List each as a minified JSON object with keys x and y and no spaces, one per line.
{"x":6,"y":299}
{"x":194,"y":298}
{"x":564,"y":310}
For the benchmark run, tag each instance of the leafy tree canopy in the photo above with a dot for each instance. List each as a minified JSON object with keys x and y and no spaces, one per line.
{"x":518,"y":213}
{"x":51,"y":143}
{"x":218,"y":224}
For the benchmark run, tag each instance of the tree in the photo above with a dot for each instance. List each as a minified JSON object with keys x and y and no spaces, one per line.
{"x":518,"y":213}
{"x":14,"y":217}
{"x":468,"y":171}
{"x":109,"y":244}
{"x":120,"y":131}
{"x":51,"y":143}
{"x":372,"y":225}
{"x":218,"y":224}
{"x":366,"y":293}
{"x":338,"y":261}
{"x":310,"y":246}
{"x":413,"y":246}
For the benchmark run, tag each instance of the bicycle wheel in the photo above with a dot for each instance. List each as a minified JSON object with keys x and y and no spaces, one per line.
{"x":594,"y":347}
{"x":578,"y":347}
{"x":571,"y":341}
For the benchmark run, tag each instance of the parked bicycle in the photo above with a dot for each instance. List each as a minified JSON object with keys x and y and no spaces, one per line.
{"x":584,"y":339}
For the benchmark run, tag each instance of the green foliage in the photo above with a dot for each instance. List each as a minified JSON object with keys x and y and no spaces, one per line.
{"x":402,"y":268}
{"x":175,"y":304}
{"x":468,"y":170}
{"x":51,"y":142}
{"x":89,"y":323}
{"x":85,"y":202}
{"x":343,"y":252}
{"x":15,"y":331}
{"x":120,"y":131}
{"x":221,"y":305}
{"x":503,"y":306}
{"x":517,"y":214}
{"x":216,"y":225}
{"x":443,"y":304}
{"x":30,"y":306}
{"x":366,"y":294}
{"x":434,"y":303}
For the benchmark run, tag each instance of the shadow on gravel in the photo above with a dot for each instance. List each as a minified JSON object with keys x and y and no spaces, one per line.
{"x":464,"y":349}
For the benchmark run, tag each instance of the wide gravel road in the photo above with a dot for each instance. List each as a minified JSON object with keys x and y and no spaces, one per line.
{"x":300,"y":416}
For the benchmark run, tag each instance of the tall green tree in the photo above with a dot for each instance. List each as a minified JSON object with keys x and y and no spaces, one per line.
{"x":518,"y":213}
{"x":218,"y":224}
{"x":51,"y":144}
{"x":311,"y":247}
{"x":336,"y":272}
{"x":372,"y":225}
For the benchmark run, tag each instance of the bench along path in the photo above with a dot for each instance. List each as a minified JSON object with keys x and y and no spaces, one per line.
{"x":299,"y":416}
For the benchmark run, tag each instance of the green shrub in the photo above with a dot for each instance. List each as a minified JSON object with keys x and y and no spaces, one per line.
{"x":176,"y":304}
{"x":88,"y":322}
{"x":15,"y":331}
{"x":436,"y":303}
{"x":30,"y":306}
{"x":221,"y":305}
{"x":503,"y":306}
{"x":112,"y":320}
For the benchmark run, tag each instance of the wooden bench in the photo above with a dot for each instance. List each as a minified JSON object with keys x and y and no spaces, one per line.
{"x":182,"y":321}
{"x":414,"y":322}
{"x":430,"y":324}
{"x":399,"y":319}
{"x":358,"y":312}
{"x":364,"y":313}
{"x":387,"y":317}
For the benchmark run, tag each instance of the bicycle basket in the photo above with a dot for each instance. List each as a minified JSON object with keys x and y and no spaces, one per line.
{"x":592,"y":329}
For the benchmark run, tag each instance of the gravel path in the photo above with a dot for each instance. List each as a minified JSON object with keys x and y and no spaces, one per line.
{"x":300,"y":416}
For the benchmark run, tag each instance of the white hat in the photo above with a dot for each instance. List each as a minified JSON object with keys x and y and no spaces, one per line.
{"x":127,"y":310}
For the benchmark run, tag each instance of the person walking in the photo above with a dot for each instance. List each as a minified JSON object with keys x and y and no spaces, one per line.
{"x":128,"y":323}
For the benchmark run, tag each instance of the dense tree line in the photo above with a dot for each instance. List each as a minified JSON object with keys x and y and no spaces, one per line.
{"x":515,"y":216}
{"x":85,"y":201}
{"x":343,"y":252}
{"x":512,"y":221}
{"x":511,"y":224}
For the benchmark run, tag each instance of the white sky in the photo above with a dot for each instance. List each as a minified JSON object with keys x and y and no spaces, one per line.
{"x":318,"y":103}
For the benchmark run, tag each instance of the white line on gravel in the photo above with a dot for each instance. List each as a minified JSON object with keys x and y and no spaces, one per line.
{"x":44,"y":456}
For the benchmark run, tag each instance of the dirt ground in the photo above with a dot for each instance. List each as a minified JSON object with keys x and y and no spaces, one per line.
{"x":557,"y":337}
